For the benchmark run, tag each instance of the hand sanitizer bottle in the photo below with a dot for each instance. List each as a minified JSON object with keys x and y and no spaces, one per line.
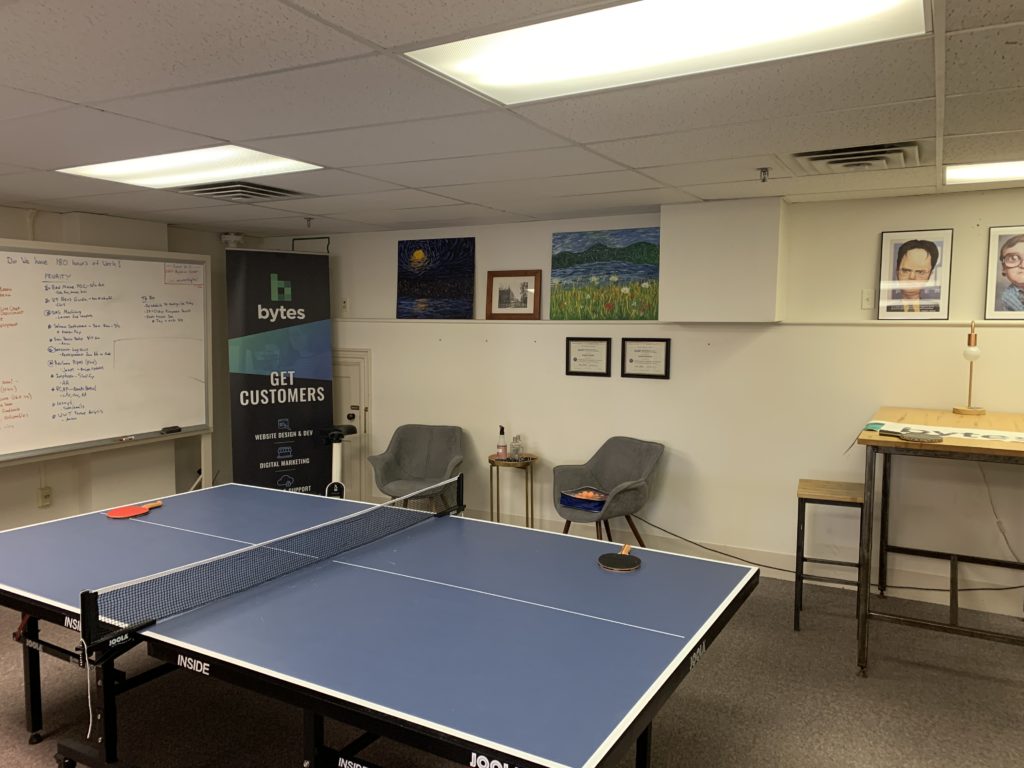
{"x":502,"y":445}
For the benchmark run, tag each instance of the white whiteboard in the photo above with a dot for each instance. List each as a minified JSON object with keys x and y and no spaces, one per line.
{"x":99,"y":346}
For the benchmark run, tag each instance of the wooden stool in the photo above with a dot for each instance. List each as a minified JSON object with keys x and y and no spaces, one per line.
{"x":832,"y":492}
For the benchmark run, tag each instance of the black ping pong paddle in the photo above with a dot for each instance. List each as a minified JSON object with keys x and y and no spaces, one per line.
{"x":620,"y":562}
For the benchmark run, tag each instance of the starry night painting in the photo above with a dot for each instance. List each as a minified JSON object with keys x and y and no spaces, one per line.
{"x":436,"y":278}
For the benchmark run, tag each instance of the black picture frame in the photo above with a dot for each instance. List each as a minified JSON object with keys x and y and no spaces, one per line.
{"x":646,"y":358}
{"x":588,"y":356}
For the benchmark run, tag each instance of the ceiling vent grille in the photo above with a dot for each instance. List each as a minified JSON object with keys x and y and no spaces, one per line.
{"x":878,"y":157}
{"x":238,"y":192}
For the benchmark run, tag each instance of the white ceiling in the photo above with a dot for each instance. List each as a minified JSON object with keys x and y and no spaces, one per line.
{"x":87,"y":81}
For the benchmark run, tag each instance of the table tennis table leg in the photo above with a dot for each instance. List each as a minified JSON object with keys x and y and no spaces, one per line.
{"x":33,"y":690}
{"x":643,"y":748}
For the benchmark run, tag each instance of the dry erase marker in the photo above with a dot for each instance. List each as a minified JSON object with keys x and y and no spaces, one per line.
{"x":127,"y":439}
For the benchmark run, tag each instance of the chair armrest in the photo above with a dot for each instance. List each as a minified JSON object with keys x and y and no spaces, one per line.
{"x":626,"y":498}
{"x":452,"y":465}
{"x":383,"y":465}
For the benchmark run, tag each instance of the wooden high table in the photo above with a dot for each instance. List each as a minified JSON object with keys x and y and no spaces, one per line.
{"x":992,"y":449}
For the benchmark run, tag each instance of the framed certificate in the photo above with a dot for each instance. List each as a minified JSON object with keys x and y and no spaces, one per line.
{"x":588,"y":356}
{"x":645,"y":358}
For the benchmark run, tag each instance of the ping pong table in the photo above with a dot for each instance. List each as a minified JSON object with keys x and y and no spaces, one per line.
{"x":490,"y":645}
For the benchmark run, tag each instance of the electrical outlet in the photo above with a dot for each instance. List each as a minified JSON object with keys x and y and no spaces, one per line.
{"x":343,"y":307}
{"x":44,"y":496}
{"x":867,"y":298}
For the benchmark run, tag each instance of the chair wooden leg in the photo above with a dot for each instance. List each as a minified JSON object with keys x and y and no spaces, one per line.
{"x":566,"y":528}
{"x":608,"y":530}
{"x":598,"y":526}
{"x":632,"y":527}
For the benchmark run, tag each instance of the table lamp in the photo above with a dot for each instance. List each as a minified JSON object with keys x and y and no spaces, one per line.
{"x":971,"y":353}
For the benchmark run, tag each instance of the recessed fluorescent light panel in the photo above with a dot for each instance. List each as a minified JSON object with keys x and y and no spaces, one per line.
{"x":196,"y":166}
{"x":979,"y":173}
{"x":655,"y":39}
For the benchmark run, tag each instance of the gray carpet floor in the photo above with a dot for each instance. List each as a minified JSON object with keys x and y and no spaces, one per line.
{"x":762,"y":695}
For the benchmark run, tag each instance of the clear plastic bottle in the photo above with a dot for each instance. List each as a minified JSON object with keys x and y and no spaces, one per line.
{"x":515,"y":449}
{"x":502,"y":445}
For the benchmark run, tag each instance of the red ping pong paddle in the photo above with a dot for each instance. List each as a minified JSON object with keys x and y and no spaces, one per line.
{"x":133,"y":510}
{"x":620,"y":562}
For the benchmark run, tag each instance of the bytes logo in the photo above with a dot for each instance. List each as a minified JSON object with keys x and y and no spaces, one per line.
{"x":280,"y":290}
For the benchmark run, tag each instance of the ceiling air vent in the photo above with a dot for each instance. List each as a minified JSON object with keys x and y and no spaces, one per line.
{"x":878,"y":157}
{"x":238,"y":192}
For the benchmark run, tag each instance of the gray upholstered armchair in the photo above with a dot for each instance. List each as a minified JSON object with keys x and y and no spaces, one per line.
{"x":621,"y":467}
{"x":419,"y":455}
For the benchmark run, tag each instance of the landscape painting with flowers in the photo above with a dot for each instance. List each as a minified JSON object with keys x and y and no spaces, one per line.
{"x":609,"y":274}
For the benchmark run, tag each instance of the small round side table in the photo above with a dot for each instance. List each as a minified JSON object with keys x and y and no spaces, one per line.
{"x":525,"y":462}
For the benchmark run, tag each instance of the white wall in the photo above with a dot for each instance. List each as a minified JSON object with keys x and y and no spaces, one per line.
{"x":98,"y":479}
{"x":749,"y":409}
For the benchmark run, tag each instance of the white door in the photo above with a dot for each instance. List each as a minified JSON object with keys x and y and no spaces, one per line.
{"x":352,"y":406}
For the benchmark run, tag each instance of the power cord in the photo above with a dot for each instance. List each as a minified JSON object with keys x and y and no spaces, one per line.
{"x":790,"y":570}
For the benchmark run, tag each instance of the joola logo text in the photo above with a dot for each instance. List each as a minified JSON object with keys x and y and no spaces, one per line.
{"x":483,"y":761}
{"x":698,"y":652}
{"x":118,"y":640}
{"x":193,"y":665}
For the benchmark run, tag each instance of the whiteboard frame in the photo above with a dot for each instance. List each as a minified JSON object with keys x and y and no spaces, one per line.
{"x":131,"y":254}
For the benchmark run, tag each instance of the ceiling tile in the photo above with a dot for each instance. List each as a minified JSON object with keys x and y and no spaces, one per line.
{"x":984,"y":148}
{"x":459,"y":136}
{"x":45,"y":185}
{"x":104,"y":49}
{"x":539,"y":163}
{"x":392,"y":23}
{"x":711,"y":171}
{"x":985,"y":59}
{"x":605,"y":204}
{"x":349,"y":204}
{"x":785,"y":135}
{"x":531,"y":189}
{"x":345,"y":94}
{"x":983,"y":112}
{"x":325,"y":182}
{"x":813,"y":197}
{"x":448,"y":215}
{"x":15,"y":103}
{"x":213,"y":215}
{"x":294,"y":225}
{"x":966,"y":14}
{"x":82,"y":135}
{"x":141,"y":201}
{"x":853,"y":77}
{"x":833,"y":183}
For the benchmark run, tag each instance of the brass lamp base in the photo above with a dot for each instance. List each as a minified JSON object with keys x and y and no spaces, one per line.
{"x":967,"y":410}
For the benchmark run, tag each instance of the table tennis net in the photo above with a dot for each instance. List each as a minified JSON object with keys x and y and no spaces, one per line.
{"x":139,"y":603}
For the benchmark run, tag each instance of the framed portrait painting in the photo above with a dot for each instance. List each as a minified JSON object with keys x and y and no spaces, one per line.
{"x":1005,"y":295}
{"x":513,"y":295}
{"x":914,"y":275}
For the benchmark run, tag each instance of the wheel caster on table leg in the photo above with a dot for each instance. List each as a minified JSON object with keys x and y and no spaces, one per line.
{"x":35,"y":738}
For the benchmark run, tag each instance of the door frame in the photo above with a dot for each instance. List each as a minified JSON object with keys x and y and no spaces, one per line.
{"x":361,"y":357}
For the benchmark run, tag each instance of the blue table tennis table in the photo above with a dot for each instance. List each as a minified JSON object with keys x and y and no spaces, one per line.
{"x":490,"y":645}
